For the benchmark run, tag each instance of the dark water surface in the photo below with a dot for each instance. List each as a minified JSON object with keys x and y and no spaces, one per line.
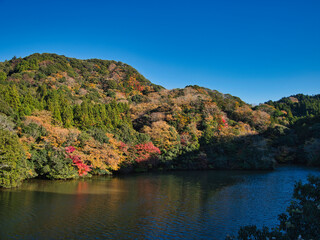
{"x":174,"y":205}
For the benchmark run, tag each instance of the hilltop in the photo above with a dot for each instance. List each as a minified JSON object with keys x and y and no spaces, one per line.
{"x":63,"y":118}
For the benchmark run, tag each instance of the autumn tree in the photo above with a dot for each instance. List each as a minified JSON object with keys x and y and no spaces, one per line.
{"x":165,"y":137}
{"x":147,"y":154}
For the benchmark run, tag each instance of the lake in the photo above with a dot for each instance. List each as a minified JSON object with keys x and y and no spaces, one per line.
{"x":170,"y":205}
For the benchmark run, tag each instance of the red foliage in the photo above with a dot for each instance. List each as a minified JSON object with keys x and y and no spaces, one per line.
{"x":146,"y":152}
{"x":70,"y":149}
{"x":224,"y":122}
{"x":135,"y":84}
{"x":83,"y":169}
{"x":123,"y":147}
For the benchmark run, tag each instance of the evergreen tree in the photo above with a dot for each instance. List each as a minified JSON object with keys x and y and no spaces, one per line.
{"x":103,"y":113}
{"x":12,"y":97}
{"x":85,"y":119}
{"x":3,"y":76}
{"x":77,"y":115}
{"x":56,"y":114}
{"x":67,"y":116}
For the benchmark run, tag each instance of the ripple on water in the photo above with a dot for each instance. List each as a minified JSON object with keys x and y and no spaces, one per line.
{"x":179,"y":205}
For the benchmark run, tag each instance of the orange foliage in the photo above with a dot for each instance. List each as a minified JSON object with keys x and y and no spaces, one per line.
{"x":135,"y":84}
{"x":103,"y":156}
{"x":56,"y":135}
{"x":59,"y":75}
{"x":92,"y":85}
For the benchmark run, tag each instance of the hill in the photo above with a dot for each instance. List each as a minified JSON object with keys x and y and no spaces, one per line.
{"x":63,"y":118}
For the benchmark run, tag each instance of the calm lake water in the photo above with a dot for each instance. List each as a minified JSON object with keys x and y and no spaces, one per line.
{"x":174,"y":205}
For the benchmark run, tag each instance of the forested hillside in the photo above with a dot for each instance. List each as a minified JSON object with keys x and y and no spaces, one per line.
{"x":63,"y":118}
{"x":296,"y":135}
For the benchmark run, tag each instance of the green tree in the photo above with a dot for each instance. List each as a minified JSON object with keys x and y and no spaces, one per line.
{"x":53,"y":163}
{"x":301,"y":221}
{"x":67,"y":115}
{"x":12,"y":97}
{"x":56,"y":114}
{"x":13,"y":165}
{"x":85,"y":118}
{"x":77,"y":113}
{"x":3,"y":76}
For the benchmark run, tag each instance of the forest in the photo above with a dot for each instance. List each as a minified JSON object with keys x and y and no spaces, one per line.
{"x":65,"y":118}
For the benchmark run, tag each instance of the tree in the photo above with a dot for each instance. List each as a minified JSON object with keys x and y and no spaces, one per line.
{"x":67,"y":115}
{"x":13,"y":165}
{"x":303,"y":214}
{"x":56,"y":114}
{"x":301,"y":220}
{"x":53,"y":163}
{"x":147,"y":153}
{"x":12,"y":97}
{"x":85,"y":117}
{"x":3,"y":76}
{"x":165,"y":137}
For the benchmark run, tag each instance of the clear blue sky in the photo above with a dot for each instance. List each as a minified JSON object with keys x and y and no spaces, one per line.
{"x":255,"y":49}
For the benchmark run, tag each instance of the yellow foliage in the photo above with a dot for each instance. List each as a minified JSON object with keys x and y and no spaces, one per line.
{"x":92,"y":85}
{"x":59,"y":75}
{"x":163,"y":135}
{"x":103,"y":156}
{"x":56,"y":135}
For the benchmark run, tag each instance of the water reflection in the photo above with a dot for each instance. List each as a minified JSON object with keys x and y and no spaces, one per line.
{"x":186,"y":205}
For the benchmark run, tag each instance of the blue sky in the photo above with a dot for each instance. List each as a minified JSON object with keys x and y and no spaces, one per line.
{"x":257,"y":50}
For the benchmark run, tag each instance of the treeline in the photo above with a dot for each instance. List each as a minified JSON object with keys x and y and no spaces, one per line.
{"x":295,"y":135}
{"x":297,"y":106}
{"x":72,"y":118}
{"x":107,"y":74}
{"x":18,"y":103}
